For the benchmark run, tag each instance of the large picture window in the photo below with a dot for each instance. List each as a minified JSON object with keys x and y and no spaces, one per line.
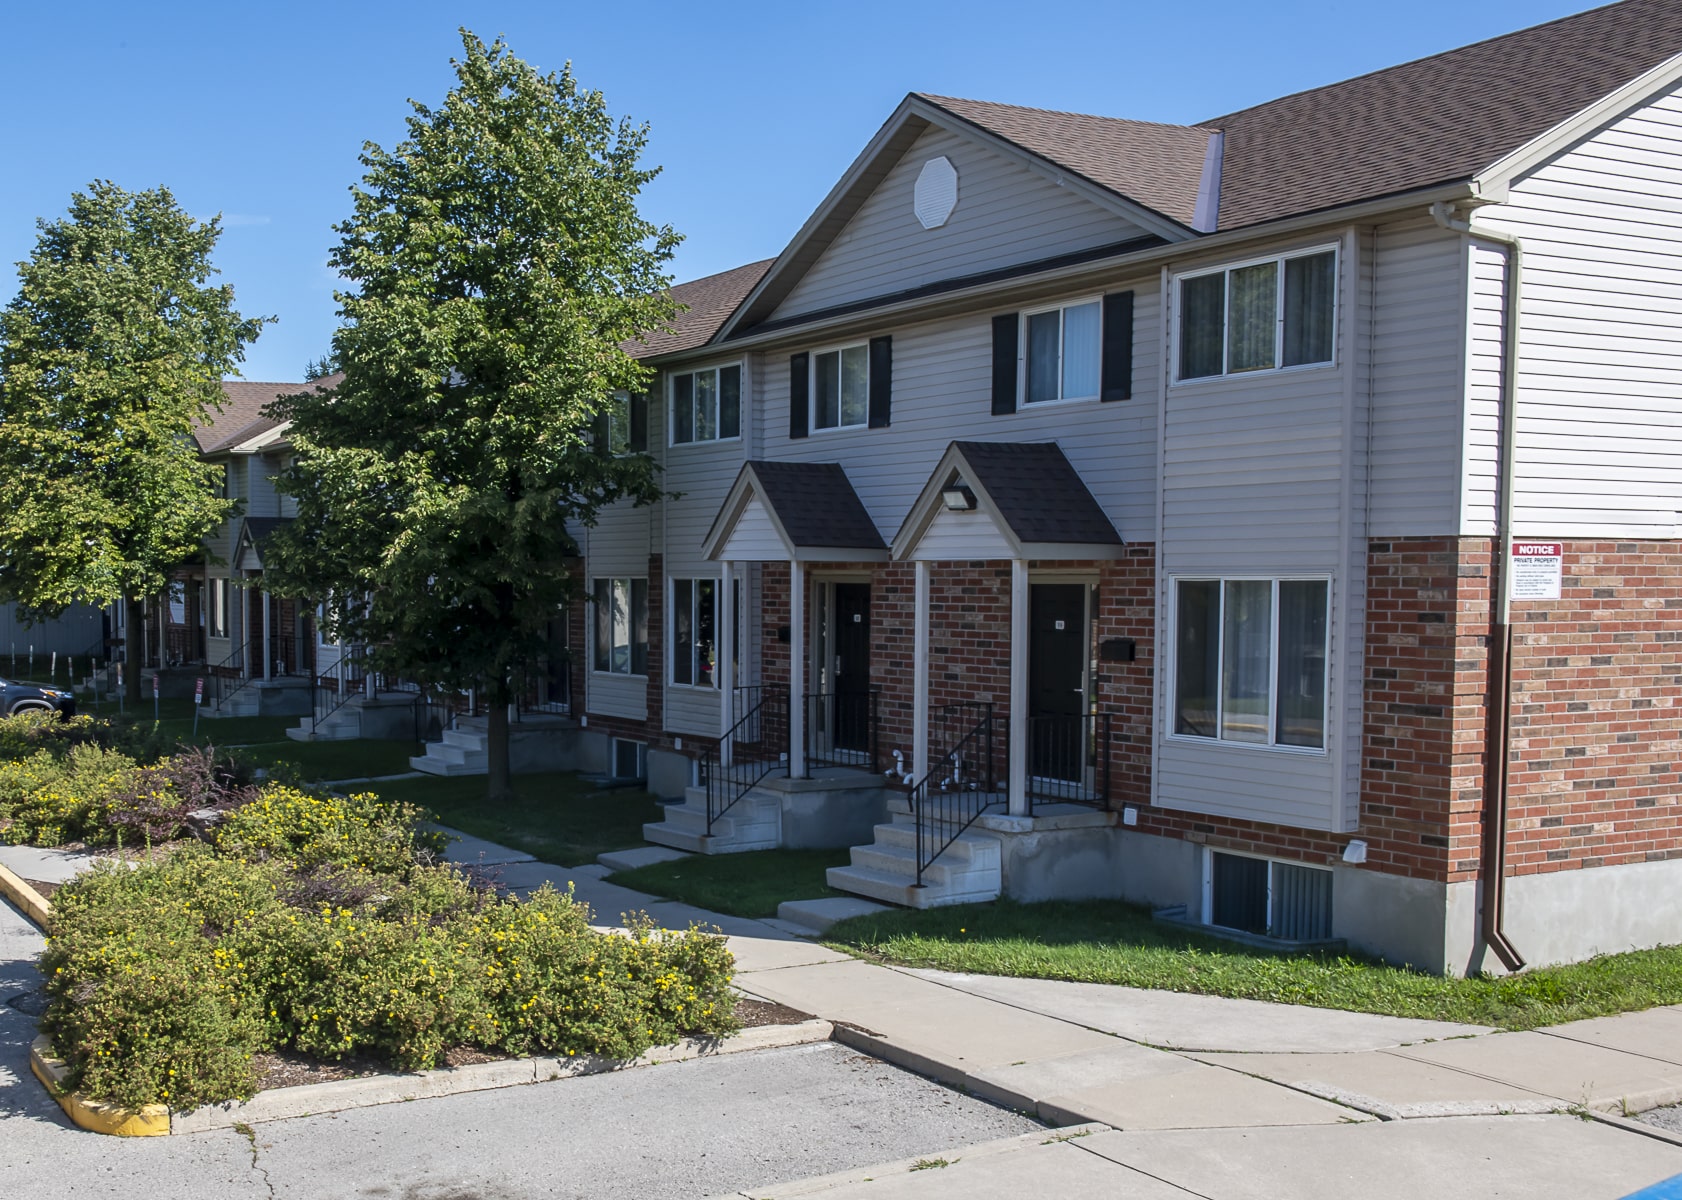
{"x":694,"y":632}
{"x":1258,"y":316}
{"x":621,"y":641}
{"x":1250,"y":660}
{"x":707,"y":405}
{"x":1062,"y":352}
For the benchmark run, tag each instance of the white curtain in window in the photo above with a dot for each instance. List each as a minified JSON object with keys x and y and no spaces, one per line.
{"x":1252,"y":317}
{"x":1246,"y":653}
{"x":855,"y":385}
{"x":1043,"y":338}
{"x":1080,"y":351}
{"x":1310,"y":283}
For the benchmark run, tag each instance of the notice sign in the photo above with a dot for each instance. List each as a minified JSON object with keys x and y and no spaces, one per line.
{"x":1538,"y":568}
{"x":198,"y":691}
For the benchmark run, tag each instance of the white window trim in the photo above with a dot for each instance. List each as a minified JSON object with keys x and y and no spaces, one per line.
{"x":591,"y":631}
{"x":670,"y":387}
{"x":705,"y":689}
{"x":1336,"y":249}
{"x":223,"y":586}
{"x":812,"y":426}
{"x":1172,"y":673}
{"x":1023,"y":404}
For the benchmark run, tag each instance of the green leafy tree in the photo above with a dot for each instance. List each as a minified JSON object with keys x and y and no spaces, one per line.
{"x":113,"y":349}
{"x":497,"y":261}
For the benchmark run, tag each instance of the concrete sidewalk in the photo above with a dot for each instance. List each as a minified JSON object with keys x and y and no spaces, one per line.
{"x":1197,"y":1095}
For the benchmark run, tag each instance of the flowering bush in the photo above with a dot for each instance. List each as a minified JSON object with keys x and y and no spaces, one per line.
{"x":166,"y":979}
{"x":27,"y":732}
{"x":308,"y":829}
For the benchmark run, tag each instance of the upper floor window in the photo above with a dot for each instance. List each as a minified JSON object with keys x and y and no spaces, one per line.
{"x":1062,"y":353}
{"x":841,"y":388}
{"x":707,"y":405}
{"x":1250,"y":660}
{"x":1258,"y":316}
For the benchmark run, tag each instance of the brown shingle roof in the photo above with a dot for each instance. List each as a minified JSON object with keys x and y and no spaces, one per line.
{"x":241,"y":418}
{"x":816,"y":505}
{"x":710,"y":302}
{"x":1433,"y":120}
{"x":1038,"y":492}
{"x":1158,"y":166}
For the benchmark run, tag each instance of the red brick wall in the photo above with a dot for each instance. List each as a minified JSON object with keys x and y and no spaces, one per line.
{"x":1597,"y":678}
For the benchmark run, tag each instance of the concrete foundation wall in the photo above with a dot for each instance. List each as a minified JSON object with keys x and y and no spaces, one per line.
{"x":1394,"y":917}
{"x":594,"y":752}
{"x":386,"y":719}
{"x":534,"y":750}
{"x":1567,"y":916}
{"x":831,"y":820}
{"x":276,"y":698}
{"x":669,"y":773}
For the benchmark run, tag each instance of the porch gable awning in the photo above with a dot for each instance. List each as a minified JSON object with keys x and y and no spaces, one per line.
{"x":1020,"y":500}
{"x":248,"y":543}
{"x":793,"y":512}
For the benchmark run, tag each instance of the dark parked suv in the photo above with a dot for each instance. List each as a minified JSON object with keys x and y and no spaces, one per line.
{"x":32,"y":697}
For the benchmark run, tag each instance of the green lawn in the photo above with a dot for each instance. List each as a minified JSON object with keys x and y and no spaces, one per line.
{"x":555,"y":816}
{"x":743,"y":885}
{"x":328,"y":760}
{"x":1104,"y":941}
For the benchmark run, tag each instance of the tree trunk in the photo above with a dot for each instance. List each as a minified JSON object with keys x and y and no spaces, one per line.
{"x":134,"y":641}
{"x":500,"y":782}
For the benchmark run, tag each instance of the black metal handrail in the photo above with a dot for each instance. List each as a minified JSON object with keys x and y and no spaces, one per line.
{"x":183,"y":644}
{"x":841,"y":730}
{"x":759,"y":745}
{"x":228,"y":678}
{"x":546,"y":691}
{"x":959,"y":787}
{"x":1069,"y":760}
{"x":339,"y":684}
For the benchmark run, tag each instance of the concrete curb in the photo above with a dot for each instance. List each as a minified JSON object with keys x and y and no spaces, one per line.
{"x":30,"y":902}
{"x":340,"y":1095}
{"x":96,"y":1116}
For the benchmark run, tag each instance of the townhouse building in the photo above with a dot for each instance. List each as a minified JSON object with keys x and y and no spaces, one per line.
{"x":1271,"y":519}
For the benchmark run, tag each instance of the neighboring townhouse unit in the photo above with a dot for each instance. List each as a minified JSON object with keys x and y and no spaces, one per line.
{"x":1085,"y":507}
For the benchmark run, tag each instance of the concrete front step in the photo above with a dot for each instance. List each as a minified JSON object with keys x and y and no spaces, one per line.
{"x":438,"y":766}
{"x":968,"y":871}
{"x":753,"y":823}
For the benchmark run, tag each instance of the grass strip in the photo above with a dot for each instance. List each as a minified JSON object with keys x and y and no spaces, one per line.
{"x":742,"y":885}
{"x":1108,"y":941}
{"x":555,"y":816}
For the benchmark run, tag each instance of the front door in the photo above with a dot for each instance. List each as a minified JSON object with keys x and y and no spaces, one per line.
{"x":1057,"y":704}
{"x":850,"y":727}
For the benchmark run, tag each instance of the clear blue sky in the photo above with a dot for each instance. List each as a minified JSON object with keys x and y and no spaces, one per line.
{"x":258,"y":111}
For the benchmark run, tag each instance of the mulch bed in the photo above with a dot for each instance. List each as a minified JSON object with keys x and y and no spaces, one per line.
{"x":754,"y":1013}
{"x":44,"y":889}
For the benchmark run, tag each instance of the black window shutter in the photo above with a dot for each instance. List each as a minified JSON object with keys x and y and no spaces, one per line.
{"x":1117,"y":370}
{"x":599,"y":431}
{"x":1004,"y":364}
{"x":798,"y":402}
{"x":639,"y":422}
{"x":881,"y":382}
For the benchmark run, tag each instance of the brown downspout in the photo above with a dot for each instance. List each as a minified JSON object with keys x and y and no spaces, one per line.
{"x":1492,"y":863}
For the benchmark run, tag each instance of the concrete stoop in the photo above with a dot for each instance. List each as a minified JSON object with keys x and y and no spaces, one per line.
{"x":535,"y":743}
{"x":753,"y":823}
{"x":460,"y":752}
{"x":969,"y":871}
{"x":390,"y":715}
{"x":834,"y":808}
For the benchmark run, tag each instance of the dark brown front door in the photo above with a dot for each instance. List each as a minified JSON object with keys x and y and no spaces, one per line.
{"x":851,"y":719}
{"x":1057,"y":653}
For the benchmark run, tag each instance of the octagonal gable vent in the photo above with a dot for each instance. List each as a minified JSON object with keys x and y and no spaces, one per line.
{"x":936,"y":193}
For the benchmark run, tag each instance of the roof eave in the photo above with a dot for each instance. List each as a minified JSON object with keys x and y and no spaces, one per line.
{"x":1491,"y":185}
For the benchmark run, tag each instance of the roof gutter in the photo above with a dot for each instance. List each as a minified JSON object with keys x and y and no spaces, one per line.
{"x":1492,"y":863}
{"x":961,"y":299}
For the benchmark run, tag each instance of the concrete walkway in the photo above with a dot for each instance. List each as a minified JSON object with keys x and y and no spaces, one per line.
{"x":1181,"y":1095}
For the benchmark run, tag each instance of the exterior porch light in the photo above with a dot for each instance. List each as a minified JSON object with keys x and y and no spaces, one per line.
{"x":958,"y":497}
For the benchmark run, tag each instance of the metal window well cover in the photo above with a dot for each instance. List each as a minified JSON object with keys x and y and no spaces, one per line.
{"x":1177,"y":916}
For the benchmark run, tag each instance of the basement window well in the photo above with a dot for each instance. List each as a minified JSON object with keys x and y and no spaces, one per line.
{"x":1260,"y":896}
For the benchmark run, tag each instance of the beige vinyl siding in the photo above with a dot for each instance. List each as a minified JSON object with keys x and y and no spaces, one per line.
{"x":1416,"y":373}
{"x":1599,"y":436}
{"x":624,"y":696}
{"x":942,"y":392}
{"x":1485,"y":280}
{"x":1007,"y":214}
{"x":1259,"y":473}
{"x":960,"y":537}
{"x":755,"y":538}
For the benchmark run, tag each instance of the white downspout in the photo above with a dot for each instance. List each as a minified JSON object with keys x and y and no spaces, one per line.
{"x":797,"y":670}
{"x":1018,"y":793}
{"x":726,"y":659}
{"x":920,"y":676}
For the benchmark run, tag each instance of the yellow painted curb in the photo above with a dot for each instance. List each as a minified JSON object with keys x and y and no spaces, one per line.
{"x":150,"y":1121}
{"x":32,"y":903}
